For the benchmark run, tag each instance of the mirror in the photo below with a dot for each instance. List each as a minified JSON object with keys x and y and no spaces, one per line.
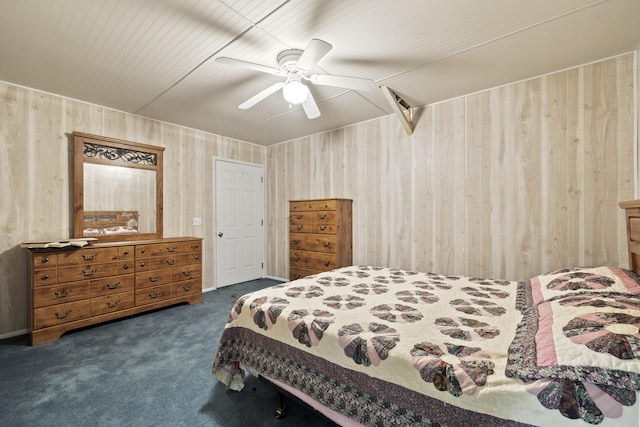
{"x":117,"y":189}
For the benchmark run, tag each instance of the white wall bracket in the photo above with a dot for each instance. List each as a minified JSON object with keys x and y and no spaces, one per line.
{"x":403,"y":110}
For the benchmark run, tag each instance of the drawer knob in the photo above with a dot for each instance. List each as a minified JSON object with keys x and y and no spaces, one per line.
{"x":62,"y":316}
{"x":45,"y":277}
{"x":45,"y":259}
{"x":326,"y":263}
{"x":173,"y":249}
{"x":142,"y":264}
{"x":114,"y":286}
{"x":63,"y":294}
{"x":90,"y":272}
{"x":143,"y":251}
{"x":296,"y":241}
{"x":89,"y":257}
{"x":172,"y":261}
{"x":126,"y":266}
{"x":326,"y":244}
{"x":113,"y":304}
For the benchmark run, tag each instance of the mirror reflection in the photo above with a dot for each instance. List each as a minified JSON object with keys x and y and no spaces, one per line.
{"x":118,"y":200}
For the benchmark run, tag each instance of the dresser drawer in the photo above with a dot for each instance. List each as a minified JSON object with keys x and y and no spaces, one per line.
{"x":48,"y":276}
{"x":166,"y":248}
{"x":296,"y":273}
{"x":61,"y":313}
{"x":187,"y":272}
{"x":301,"y":228}
{"x":56,"y":294}
{"x":45,"y":261}
{"x":152,"y":278}
{"x":112,"y":285}
{"x":313,"y":242}
{"x":168,"y":261}
{"x":110,"y":303}
{"x":126,"y":253}
{"x":300,"y":217}
{"x":312,"y":205}
{"x":186,"y":287}
{"x":87,"y":271}
{"x":87,"y":256}
{"x":151,"y":295}
{"x":313,"y":260}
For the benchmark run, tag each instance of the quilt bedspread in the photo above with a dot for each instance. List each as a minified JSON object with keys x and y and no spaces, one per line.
{"x":393,"y":347}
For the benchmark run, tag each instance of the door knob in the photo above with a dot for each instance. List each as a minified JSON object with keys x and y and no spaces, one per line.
{"x":220,"y":233}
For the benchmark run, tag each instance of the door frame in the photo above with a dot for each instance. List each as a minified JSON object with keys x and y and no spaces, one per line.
{"x":215,"y":213}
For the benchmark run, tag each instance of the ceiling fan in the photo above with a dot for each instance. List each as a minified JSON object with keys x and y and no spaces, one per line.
{"x":294,"y":65}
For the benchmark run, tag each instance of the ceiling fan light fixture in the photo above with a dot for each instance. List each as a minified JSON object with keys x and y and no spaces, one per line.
{"x":295,"y":92}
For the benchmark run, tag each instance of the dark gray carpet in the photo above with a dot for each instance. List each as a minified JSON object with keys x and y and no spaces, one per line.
{"x":149,"y":370}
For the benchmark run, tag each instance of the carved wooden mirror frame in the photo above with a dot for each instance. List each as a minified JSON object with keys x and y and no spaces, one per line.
{"x":90,"y":150}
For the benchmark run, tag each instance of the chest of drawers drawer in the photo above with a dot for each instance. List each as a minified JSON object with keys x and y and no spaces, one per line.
{"x":60,"y":293}
{"x":87,"y":271}
{"x":112,"y":303}
{"x":313,"y":242}
{"x":58,"y":314}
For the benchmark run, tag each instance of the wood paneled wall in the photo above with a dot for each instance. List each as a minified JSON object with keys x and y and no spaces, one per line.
{"x":507,"y":183}
{"x":35,"y":189}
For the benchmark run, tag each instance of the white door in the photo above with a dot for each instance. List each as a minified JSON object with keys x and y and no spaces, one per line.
{"x":239,"y":213}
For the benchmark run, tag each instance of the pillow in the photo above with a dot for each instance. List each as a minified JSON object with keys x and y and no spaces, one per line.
{"x":574,"y":280}
{"x":588,"y":337}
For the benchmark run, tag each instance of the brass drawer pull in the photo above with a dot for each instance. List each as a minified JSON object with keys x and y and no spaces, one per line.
{"x":89,"y":273}
{"x":300,"y":227}
{"x":114,"y":286}
{"x":172,"y":261}
{"x":44,"y":277}
{"x":326,"y":244}
{"x":322,"y":216}
{"x":154,"y":294}
{"x":187,"y":273}
{"x":173,"y":249}
{"x":154,"y":278}
{"x":115,"y":304}
{"x":296,"y":241}
{"x":89,"y":257}
{"x":323,"y":227}
{"x":62,"y":316}
{"x":187,"y":288}
{"x":327,"y":263}
{"x":63,"y":294}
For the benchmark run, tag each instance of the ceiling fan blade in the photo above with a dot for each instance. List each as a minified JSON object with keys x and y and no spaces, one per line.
{"x":314,"y":52}
{"x":354,"y":83}
{"x":260,"y":96}
{"x":310,"y":107}
{"x":247,"y":64}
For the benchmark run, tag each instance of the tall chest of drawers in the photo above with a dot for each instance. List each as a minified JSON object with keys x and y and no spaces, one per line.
{"x":73,"y":288}
{"x":319,"y":236}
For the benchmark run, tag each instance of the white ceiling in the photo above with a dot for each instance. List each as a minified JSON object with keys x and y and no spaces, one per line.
{"x":156,"y":58}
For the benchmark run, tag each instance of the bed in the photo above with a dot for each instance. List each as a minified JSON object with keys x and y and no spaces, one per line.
{"x":381,"y":346}
{"x":107,"y":223}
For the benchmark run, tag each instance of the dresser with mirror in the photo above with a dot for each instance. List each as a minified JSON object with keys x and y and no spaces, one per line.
{"x":117,"y":262}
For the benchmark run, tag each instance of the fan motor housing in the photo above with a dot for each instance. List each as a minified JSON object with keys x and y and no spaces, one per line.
{"x":288,"y":58}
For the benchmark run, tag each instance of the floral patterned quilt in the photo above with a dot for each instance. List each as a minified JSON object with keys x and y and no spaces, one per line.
{"x":392,"y":347}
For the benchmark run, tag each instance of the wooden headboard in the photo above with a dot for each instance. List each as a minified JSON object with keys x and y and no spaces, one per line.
{"x":632,"y":211}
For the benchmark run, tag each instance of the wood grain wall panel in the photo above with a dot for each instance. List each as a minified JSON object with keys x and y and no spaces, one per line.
{"x":506,"y":183}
